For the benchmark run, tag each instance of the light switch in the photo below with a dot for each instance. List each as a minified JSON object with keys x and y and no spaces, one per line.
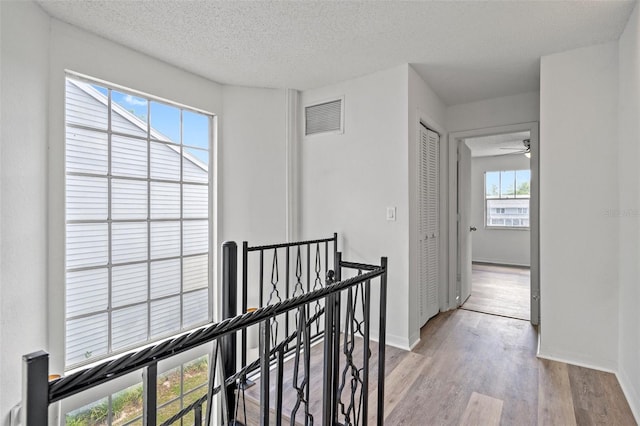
{"x":391,"y":213}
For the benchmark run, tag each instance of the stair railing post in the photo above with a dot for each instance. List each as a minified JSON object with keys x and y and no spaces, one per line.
{"x":327,"y":385}
{"x":35,"y":389}
{"x":229,"y":310}
{"x":382,"y":338}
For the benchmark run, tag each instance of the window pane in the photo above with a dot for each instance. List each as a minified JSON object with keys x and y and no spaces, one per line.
{"x":86,"y":151}
{"x":165,"y":122}
{"x":93,"y":414}
{"x":87,"y":245}
{"x":165,"y":278}
{"x":128,"y":199}
{"x":195,"y":238}
{"x":195,"y":129}
{"x":86,"y":338}
{"x":523,"y":183}
{"x":165,"y":239}
{"x":165,"y":161}
{"x":128,"y":157}
{"x":128,"y":242}
{"x":507,"y":184}
{"x":128,"y":284}
{"x":85,"y":105}
{"x":129,"y":326}
{"x":492,"y":184}
{"x":87,"y":291}
{"x":127,"y":405}
{"x":195,"y":201}
{"x":195,"y":165}
{"x":167,"y":411}
{"x":196,"y":308}
{"x":168,"y":386}
{"x":87,"y":198}
{"x":195,"y":374}
{"x":195,"y":272}
{"x":165,"y":200}
{"x":165,"y":316}
{"x":128,"y":114}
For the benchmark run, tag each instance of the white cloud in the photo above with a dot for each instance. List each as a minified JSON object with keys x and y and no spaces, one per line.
{"x":134,"y":101}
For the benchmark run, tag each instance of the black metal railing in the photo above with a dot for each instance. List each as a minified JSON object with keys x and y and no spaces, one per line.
{"x":345,"y":381}
{"x":306,"y":265}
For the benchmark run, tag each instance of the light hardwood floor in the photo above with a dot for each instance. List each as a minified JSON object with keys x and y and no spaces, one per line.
{"x":500,"y":290}
{"x":472,"y":368}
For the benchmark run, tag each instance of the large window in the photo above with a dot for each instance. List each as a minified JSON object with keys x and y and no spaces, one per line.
{"x":177,"y":388}
{"x":137,"y":220}
{"x":507,"y":196}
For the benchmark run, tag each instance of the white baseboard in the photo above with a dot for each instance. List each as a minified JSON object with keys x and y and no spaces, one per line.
{"x":501,"y":262}
{"x":399,"y":342}
{"x":584,"y":364}
{"x":630,"y":393}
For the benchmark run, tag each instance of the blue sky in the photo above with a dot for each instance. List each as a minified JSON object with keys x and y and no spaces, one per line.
{"x":166,"y":119}
{"x":505,"y":180}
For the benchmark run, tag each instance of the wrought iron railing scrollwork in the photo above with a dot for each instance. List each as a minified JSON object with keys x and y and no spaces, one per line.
{"x":331,"y":312}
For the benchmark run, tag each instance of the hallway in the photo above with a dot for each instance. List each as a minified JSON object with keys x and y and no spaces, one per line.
{"x":473,"y":368}
{"x":500,"y":290}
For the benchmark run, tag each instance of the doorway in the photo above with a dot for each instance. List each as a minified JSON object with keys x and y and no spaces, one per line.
{"x":494,"y":225}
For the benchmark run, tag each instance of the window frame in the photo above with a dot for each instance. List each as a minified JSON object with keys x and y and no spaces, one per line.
{"x":500,"y":198}
{"x":148,"y":139}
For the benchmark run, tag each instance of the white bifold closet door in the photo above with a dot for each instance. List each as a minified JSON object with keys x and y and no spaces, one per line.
{"x":429,"y":222}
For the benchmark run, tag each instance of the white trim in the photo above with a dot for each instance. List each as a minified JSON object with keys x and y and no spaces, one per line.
{"x":454,"y":138}
{"x":499,"y":262}
{"x":292,"y":100}
{"x":398,"y":342}
{"x":576,"y":363}
{"x":633,"y":399}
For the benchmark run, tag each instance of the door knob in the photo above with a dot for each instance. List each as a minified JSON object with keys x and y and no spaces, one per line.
{"x":473,"y":228}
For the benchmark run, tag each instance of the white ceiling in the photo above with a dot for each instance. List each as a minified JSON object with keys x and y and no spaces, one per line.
{"x":506,"y":144}
{"x":466,"y":51}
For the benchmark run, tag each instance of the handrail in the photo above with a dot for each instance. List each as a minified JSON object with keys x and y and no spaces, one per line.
{"x":292,"y":244}
{"x":109,"y":370}
{"x":355,"y":265}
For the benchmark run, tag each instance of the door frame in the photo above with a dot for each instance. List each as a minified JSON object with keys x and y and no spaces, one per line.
{"x":534,"y":219}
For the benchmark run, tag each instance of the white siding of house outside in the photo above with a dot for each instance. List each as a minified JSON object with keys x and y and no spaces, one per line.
{"x":178,"y":289}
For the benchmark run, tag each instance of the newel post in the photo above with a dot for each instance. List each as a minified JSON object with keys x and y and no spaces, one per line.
{"x":35,"y":389}
{"x":229,"y":310}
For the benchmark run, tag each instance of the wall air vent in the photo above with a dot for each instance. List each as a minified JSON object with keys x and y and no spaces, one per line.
{"x":324,"y":117}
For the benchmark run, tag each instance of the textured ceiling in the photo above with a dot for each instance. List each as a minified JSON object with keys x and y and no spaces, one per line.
{"x":465,"y":51}
{"x":505,"y":144}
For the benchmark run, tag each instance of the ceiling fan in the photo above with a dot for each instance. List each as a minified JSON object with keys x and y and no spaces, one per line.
{"x":526,"y":149}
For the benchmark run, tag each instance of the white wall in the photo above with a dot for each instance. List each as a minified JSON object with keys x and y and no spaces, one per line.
{"x":349,"y":179}
{"x":253,"y":165}
{"x":23,"y":192}
{"x":423,"y":105}
{"x":578,"y":181}
{"x":629,"y":206}
{"x":504,"y":246}
{"x":503,"y":111}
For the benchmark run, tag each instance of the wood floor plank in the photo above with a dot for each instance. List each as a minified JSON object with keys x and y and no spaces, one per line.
{"x":482,"y":410}
{"x":555,"y":400}
{"x":500,"y":290}
{"x":594,"y":397}
{"x":397,"y":384}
